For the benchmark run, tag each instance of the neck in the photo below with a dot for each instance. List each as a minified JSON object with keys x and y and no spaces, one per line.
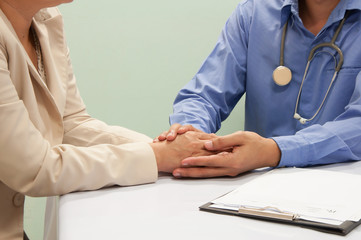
{"x":20,"y":14}
{"x":315,"y":13}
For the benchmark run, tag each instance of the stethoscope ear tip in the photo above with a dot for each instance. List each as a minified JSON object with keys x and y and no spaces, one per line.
{"x":282,"y":75}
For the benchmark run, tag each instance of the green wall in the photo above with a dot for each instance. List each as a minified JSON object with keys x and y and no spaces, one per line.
{"x":132,"y":57}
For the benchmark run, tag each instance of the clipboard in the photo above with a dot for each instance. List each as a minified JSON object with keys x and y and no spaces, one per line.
{"x":342,"y":229}
{"x":289,"y":189}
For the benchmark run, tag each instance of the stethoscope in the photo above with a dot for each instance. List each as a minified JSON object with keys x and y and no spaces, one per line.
{"x":282,"y":75}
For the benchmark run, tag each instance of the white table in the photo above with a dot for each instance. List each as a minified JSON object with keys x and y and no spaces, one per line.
{"x":168,"y":209}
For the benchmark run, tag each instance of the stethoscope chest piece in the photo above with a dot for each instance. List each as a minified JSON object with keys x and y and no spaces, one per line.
{"x":282,"y":75}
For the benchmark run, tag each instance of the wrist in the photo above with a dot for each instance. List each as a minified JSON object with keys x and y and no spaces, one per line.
{"x":274,"y":152}
{"x":157,"y":149}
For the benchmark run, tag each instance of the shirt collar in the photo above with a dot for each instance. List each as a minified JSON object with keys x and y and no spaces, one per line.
{"x":339,"y":12}
{"x":291,"y":7}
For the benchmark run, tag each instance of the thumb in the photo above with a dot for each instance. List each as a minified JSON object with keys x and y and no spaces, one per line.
{"x":224,"y":142}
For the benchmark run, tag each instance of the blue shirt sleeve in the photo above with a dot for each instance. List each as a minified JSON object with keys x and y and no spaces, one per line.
{"x":200,"y":103}
{"x":333,"y":142}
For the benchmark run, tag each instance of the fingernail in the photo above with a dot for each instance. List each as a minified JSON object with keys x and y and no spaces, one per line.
{"x":171,"y":133}
{"x":177,"y":174}
{"x":185,"y":163}
{"x":208,"y":144}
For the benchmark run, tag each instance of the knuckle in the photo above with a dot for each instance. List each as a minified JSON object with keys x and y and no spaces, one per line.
{"x":191,"y":133}
{"x":190,"y":127}
{"x":218,"y":141}
{"x":236,"y":165}
{"x":195,"y":146}
{"x":175,"y":126}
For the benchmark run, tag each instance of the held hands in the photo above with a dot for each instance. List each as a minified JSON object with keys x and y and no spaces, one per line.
{"x":231,"y":155}
{"x":170,"y":153}
{"x":248,"y":151}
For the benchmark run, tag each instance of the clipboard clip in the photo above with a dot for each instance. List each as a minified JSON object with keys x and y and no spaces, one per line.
{"x":269,"y":212}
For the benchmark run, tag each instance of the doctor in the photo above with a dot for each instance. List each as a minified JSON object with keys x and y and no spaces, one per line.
{"x":297,"y":64}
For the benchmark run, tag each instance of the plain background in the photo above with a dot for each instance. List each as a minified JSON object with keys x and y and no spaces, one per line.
{"x":131,"y":57}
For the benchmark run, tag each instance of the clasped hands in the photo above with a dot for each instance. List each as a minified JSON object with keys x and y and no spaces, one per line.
{"x":188,"y":152}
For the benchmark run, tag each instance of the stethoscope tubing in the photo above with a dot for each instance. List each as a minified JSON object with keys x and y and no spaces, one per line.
{"x":311,"y":55}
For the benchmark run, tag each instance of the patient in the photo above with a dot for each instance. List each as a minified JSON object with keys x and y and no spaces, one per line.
{"x":49,"y":145}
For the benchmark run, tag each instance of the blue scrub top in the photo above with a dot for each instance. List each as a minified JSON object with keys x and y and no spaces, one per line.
{"x":243,"y":61}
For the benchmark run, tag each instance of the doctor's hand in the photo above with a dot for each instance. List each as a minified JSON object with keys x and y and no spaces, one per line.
{"x":169,"y":154}
{"x":240,"y":152}
{"x":174,"y":130}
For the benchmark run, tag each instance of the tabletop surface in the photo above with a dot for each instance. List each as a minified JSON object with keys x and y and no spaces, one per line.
{"x":169,"y":209}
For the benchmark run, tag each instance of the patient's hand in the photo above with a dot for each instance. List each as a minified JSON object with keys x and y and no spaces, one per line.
{"x":169,"y":154}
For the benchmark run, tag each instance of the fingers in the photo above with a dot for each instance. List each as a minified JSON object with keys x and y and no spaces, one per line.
{"x":169,"y":135}
{"x":221,"y":164}
{"x":222,"y":159}
{"x":161,"y":137}
{"x":187,"y":128}
{"x":173,"y":131}
{"x":206,"y":172}
{"x":224,"y":142}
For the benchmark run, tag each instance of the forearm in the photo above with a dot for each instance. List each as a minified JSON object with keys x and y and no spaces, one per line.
{"x":332,"y":143}
{"x":82,"y":130}
{"x":44,"y":169}
{"x":211,"y":95}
